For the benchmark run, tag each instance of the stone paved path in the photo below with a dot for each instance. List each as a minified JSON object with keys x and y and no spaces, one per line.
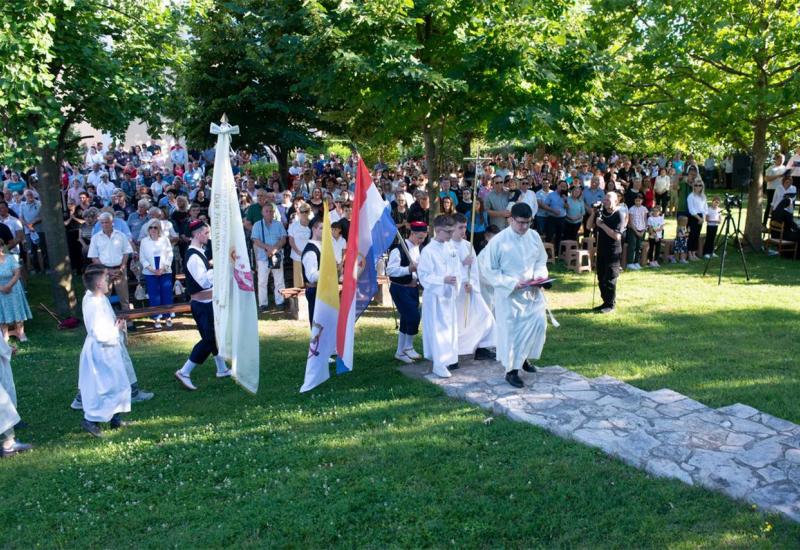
{"x":738,"y":450}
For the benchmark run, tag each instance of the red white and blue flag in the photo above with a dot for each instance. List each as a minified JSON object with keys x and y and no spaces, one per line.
{"x":371,"y":233}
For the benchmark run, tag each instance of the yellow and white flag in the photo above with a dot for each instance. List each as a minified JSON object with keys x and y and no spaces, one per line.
{"x":235,"y":313}
{"x":326,"y":313}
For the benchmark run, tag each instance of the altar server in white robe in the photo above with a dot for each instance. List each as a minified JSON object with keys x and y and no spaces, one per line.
{"x":475,"y":319}
{"x":439,"y":272}
{"x":514,"y":256}
{"x":103,"y":374}
{"x":9,"y":417}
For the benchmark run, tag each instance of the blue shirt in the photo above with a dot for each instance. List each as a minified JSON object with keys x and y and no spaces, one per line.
{"x":267,"y":234}
{"x":481,"y":221}
{"x":575,"y":209}
{"x":451,"y":194}
{"x":556,"y":201}
{"x":591,"y":196}
{"x":118,"y":224}
{"x":541,"y":196}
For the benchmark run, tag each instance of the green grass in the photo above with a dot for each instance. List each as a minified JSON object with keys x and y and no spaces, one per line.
{"x":374,"y":459}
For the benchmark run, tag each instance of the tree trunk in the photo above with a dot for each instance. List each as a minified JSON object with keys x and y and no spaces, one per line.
{"x":60,"y":271}
{"x":431,"y":155}
{"x":752,"y":228}
{"x":466,"y":149}
{"x":282,"y":155}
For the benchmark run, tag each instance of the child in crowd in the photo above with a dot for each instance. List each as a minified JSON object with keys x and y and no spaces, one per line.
{"x":637,"y":227}
{"x":681,"y":246}
{"x":103,"y":374}
{"x":712,"y":223}
{"x":649,"y":194}
{"x":655,"y":233}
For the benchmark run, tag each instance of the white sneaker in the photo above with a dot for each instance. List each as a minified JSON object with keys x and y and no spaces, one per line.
{"x":632,"y":267}
{"x":157,"y":325}
{"x":683,"y":262}
{"x":706,"y":256}
{"x":638,"y":265}
{"x":411,"y":352}
{"x":441,"y":372}
{"x":169,"y":323}
{"x":654,"y":264}
{"x":185,"y":380}
{"x":404,"y":358}
{"x":224,"y":374}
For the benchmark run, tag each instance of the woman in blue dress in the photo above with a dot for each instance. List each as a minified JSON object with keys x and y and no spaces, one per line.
{"x":14,"y":309}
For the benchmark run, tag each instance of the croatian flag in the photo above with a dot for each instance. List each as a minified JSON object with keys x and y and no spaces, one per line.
{"x":372,"y":231}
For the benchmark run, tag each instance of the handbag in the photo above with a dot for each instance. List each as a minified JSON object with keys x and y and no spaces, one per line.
{"x":177,"y":288}
{"x":140,"y":293}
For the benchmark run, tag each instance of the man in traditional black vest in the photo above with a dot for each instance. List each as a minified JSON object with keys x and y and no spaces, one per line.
{"x":404,"y":288}
{"x":310,"y":261}
{"x":199,"y":285}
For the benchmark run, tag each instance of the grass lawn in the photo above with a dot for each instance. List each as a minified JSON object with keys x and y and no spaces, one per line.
{"x":373,"y":459}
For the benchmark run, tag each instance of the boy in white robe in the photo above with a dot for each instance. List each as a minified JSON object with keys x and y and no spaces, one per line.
{"x":9,"y":417}
{"x":439,"y":272}
{"x":103,"y":374}
{"x":516,"y":255}
{"x":475,"y":320}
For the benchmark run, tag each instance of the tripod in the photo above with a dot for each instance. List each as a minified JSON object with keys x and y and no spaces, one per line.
{"x":729,"y":229}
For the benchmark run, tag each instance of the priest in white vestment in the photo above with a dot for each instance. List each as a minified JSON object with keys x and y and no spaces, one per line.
{"x":475,"y":320}
{"x":104,"y":364}
{"x":9,"y":417}
{"x":515,"y":256}
{"x":439,"y":273}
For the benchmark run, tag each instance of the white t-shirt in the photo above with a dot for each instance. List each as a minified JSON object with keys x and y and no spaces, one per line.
{"x":654,"y":222}
{"x":301,"y":235}
{"x":775,"y":171}
{"x":779,"y":193}
{"x":339,"y":246}
{"x":794,"y":165}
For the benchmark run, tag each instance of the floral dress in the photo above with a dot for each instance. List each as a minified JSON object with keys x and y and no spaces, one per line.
{"x":681,"y":245}
{"x":13,"y":306}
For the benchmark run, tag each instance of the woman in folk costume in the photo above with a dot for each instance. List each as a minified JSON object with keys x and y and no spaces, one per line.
{"x":9,"y":417}
{"x":199,"y":285}
{"x":103,"y":377}
{"x":510,"y":260}
{"x":439,"y":273}
{"x":475,"y":320}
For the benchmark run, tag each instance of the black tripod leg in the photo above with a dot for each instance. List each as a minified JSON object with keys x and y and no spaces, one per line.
{"x":723,"y":253}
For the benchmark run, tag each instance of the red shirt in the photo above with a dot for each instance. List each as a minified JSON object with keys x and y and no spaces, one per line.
{"x":649,"y":198}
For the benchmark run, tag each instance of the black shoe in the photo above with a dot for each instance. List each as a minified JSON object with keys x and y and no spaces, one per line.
{"x":280,"y":307}
{"x":512,"y":377}
{"x":607,"y":309}
{"x":527,"y":367}
{"x":454,"y":366}
{"x":598,"y":308}
{"x":116,"y":422}
{"x":92,"y":428}
{"x":21,"y":425}
{"x":483,"y":354}
{"x":131,"y":328}
{"x":263,"y":309}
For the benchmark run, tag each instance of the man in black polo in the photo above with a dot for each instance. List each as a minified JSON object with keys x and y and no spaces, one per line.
{"x":608,"y":223}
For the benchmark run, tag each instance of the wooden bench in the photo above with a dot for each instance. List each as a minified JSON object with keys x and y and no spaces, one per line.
{"x":297,"y":306}
{"x":142,"y":312}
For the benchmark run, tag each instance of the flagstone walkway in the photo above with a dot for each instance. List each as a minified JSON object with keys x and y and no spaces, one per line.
{"x":738,"y":450}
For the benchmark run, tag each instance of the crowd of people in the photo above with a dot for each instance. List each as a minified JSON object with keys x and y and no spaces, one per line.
{"x":143,"y":211}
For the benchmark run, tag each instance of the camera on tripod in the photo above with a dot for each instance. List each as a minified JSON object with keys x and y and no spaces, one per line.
{"x":732,"y":201}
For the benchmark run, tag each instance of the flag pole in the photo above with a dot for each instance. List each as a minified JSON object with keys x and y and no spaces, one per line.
{"x":477,"y":161}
